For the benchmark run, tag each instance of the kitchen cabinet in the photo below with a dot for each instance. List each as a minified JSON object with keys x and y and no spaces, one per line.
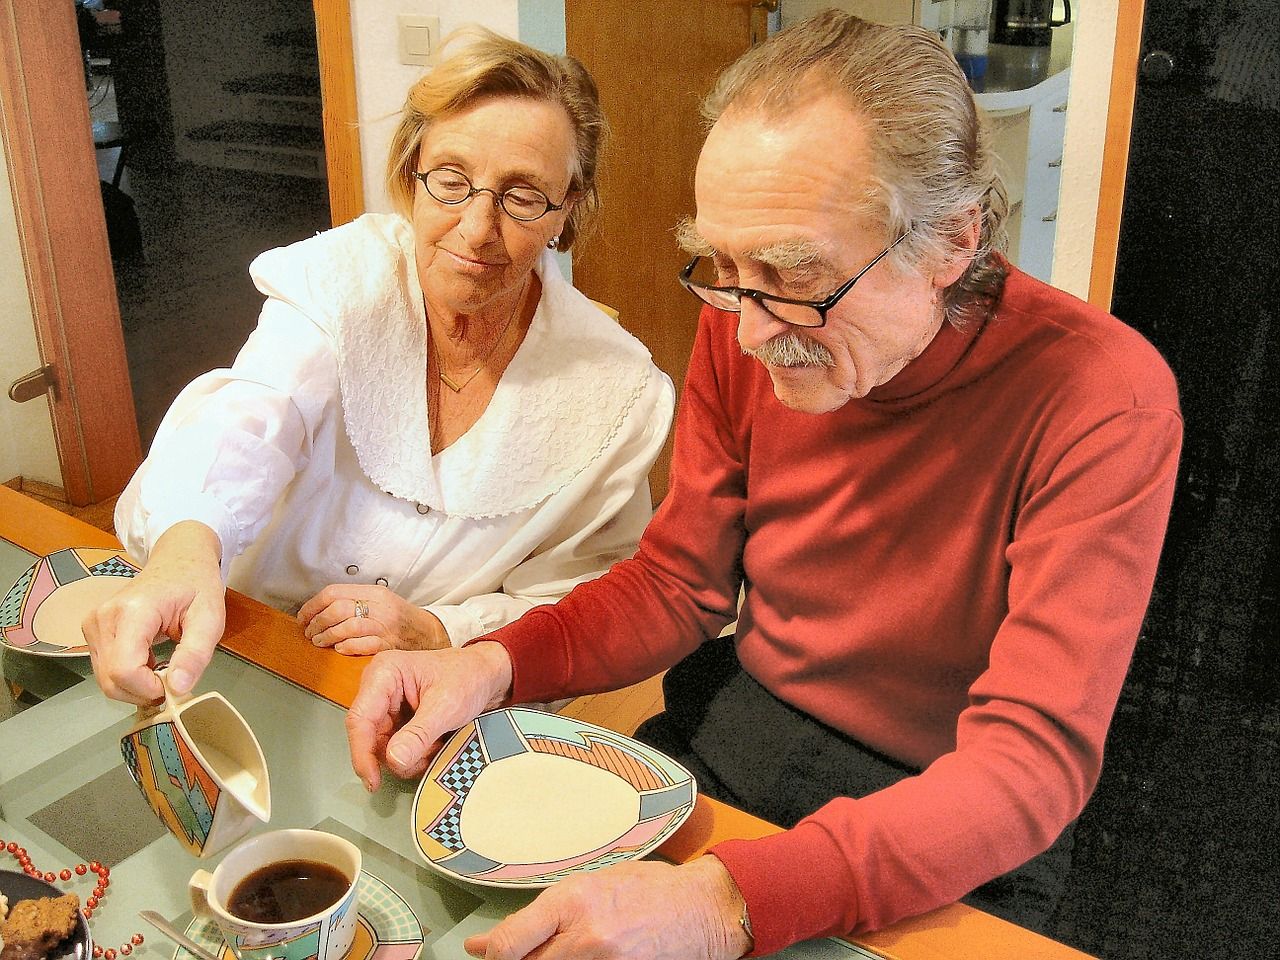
{"x":1028,"y":132}
{"x":1025,"y":95}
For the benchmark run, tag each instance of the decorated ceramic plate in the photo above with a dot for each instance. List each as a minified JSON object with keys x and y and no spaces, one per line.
{"x":521,"y":798}
{"x":388,"y":928}
{"x":18,"y":887}
{"x":41,"y":613}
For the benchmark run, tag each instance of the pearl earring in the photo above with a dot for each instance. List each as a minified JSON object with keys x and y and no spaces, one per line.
{"x":553,"y":242}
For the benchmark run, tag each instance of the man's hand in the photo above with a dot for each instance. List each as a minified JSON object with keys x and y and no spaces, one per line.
{"x":178,"y":594}
{"x":388,"y":621}
{"x":408,"y":702}
{"x":645,"y":910}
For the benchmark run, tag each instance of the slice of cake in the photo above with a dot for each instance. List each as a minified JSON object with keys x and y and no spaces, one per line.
{"x":34,"y":928}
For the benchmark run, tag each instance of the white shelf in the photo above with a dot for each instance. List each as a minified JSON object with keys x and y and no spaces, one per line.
{"x":1025,"y":95}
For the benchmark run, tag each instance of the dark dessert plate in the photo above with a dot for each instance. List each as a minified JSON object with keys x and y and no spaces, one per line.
{"x":18,"y":887}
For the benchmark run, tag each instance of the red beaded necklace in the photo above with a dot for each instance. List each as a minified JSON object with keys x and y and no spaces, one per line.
{"x":91,"y":902}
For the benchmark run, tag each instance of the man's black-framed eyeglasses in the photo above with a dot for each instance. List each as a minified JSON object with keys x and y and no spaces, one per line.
{"x":798,"y":313}
{"x":452,"y":187}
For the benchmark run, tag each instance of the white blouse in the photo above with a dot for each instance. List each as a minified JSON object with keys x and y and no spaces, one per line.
{"x":311,"y":457}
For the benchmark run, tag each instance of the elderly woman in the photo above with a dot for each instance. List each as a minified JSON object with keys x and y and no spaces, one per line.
{"x":430,"y":431}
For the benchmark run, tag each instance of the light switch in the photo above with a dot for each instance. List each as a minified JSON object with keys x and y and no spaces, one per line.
{"x":419,"y":37}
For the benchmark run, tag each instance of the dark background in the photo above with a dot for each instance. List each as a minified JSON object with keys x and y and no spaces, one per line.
{"x":1178,"y":853}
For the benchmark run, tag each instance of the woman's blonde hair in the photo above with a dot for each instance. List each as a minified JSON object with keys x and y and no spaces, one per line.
{"x":490,"y":65}
{"x":932,"y":156}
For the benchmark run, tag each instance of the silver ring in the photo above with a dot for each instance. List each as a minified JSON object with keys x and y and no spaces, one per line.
{"x":362,"y":609}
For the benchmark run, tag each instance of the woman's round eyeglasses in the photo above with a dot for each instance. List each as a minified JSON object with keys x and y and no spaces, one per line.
{"x":451,"y":187}
{"x":798,"y":313}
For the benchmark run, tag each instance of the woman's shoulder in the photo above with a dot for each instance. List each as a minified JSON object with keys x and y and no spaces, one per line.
{"x":339,"y":269}
{"x":584,"y":327}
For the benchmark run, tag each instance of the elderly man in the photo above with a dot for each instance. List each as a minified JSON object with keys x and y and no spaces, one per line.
{"x":942,"y":488}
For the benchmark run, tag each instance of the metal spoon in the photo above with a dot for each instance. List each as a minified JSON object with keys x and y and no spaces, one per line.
{"x":181,"y":939}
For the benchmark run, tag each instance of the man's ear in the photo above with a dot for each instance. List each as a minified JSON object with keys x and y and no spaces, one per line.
{"x":964,"y":245}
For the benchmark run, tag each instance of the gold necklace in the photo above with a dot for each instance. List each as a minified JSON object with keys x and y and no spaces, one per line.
{"x":457,"y":386}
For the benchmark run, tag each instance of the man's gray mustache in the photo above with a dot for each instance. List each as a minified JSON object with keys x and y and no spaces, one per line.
{"x":792,"y":350}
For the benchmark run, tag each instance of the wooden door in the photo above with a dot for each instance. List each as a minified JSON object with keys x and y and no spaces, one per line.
{"x":653,"y":60}
{"x":45,"y":131}
{"x":44,"y":121}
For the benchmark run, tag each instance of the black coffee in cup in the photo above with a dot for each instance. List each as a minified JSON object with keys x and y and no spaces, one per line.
{"x":287,"y":890}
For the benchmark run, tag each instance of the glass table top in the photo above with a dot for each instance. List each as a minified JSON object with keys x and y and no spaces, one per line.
{"x":66,"y":796}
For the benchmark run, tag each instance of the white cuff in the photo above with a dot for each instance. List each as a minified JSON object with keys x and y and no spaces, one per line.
{"x":460,"y":624}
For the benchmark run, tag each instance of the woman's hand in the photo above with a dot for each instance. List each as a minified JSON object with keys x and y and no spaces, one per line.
{"x":408,"y":702}
{"x":359,"y":620}
{"x":644,"y":911}
{"x":179,"y":594}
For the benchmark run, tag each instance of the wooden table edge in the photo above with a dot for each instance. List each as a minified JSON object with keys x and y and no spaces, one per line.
{"x":274,"y":641}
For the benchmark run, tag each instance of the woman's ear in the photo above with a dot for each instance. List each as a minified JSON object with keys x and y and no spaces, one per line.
{"x":570,"y":202}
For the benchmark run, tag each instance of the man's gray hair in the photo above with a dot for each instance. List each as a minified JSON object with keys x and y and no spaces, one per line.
{"x":932,"y":158}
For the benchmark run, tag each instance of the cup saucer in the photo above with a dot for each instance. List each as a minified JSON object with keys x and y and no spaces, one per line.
{"x":388,"y":927}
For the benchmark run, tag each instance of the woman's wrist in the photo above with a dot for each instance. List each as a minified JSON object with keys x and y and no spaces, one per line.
{"x":429,"y":633}
{"x":188,"y":540}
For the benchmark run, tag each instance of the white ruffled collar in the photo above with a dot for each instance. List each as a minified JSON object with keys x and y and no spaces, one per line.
{"x":561,"y":400}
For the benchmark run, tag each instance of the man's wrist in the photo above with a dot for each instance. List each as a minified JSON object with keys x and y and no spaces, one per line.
{"x":497,"y":667}
{"x":729,"y":905}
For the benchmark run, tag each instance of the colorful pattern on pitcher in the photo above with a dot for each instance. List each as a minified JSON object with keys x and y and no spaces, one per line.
{"x":173,"y":782}
{"x":667,"y":792}
{"x":20,"y":604}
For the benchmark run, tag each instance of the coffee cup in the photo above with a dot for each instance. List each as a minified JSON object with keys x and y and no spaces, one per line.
{"x":306,"y":869}
{"x":200,"y":769}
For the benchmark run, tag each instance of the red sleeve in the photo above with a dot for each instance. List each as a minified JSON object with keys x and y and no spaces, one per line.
{"x":1029,"y":745}
{"x":648,"y":612}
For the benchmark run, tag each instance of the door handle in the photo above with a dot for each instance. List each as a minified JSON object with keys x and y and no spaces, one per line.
{"x":34,"y":384}
{"x":1156,"y":66}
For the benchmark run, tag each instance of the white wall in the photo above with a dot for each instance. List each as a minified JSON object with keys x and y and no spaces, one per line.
{"x":26,"y":430}
{"x":382,"y":81}
{"x":26,"y":434}
{"x":1091,"y":60}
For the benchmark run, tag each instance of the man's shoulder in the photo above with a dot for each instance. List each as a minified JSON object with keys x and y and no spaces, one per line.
{"x":1082,"y":348}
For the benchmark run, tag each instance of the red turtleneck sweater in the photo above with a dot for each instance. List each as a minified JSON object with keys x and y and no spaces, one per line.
{"x":952,"y":570}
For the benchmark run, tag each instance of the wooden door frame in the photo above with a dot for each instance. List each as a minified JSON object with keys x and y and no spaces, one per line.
{"x":1115,"y":154}
{"x":62,"y":235}
{"x":338,"y":106}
